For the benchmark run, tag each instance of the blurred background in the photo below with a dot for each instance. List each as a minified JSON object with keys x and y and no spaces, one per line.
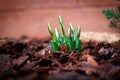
{"x":30,"y":17}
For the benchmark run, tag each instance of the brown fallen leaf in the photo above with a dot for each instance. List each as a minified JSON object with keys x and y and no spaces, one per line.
{"x":88,"y":64}
{"x":89,"y":61}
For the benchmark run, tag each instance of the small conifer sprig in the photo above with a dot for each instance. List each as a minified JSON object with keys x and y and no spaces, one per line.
{"x":72,"y":41}
{"x":113,"y":16}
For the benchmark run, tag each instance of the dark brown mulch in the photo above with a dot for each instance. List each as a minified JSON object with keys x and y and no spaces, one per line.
{"x":32,"y":59}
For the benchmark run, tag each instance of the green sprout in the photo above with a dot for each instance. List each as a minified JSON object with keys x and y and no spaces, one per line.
{"x":72,"y":41}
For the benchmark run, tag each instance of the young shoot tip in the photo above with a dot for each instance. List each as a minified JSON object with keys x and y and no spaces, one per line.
{"x":78,"y":31}
{"x":50,"y":29}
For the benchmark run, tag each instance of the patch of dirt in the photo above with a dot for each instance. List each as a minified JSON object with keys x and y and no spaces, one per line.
{"x":32,"y":59}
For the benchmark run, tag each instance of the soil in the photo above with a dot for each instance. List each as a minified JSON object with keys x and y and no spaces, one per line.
{"x":33,"y":59}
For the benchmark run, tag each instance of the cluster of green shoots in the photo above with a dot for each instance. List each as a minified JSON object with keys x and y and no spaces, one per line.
{"x":71,"y":41}
{"x":113,"y":16}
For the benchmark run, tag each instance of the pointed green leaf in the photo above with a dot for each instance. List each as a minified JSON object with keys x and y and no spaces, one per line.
{"x":61,"y":25}
{"x":78,"y":45}
{"x":50,"y":29}
{"x":73,"y":45}
{"x":57,"y":33}
{"x":71,"y":28}
{"x":75,"y":35}
{"x":57,"y":36}
{"x":68,"y":44}
{"x":78,"y":31}
{"x":54,"y":46}
{"x":69,"y":32}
